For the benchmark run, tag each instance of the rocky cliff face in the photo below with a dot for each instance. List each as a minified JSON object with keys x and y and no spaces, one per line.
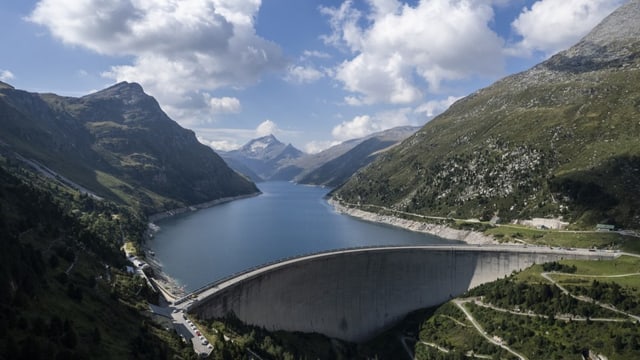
{"x":557,"y":140}
{"x":120,"y":144}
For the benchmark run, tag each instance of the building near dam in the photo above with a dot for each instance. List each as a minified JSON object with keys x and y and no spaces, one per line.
{"x":354,"y":294}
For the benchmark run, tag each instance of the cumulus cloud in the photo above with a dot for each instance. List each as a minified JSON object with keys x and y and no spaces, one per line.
{"x":303,"y":74}
{"x":550,"y":25}
{"x":314,"y":147}
{"x":266,"y":127}
{"x":435,"y":107}
{"x":179,"y":48}
{"x":6,"y":75}
{"x":224,"y":105}
{"x":222,"y":145}
{"x":224,"y":139}
{"x":357,"y":127}
{"x":363,"y":125}
{"x":396,"y":47}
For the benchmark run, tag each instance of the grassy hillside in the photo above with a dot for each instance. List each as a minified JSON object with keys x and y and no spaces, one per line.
{"x":64,"y":293}
{"x":534,"y":317}
{"x":119,"y":144}
{"x":558,"y":140}
{"x":335,"y":172}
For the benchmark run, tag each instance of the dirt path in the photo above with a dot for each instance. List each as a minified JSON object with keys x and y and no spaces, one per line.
{"x":588,"y":299}
{"x":460,"y":304}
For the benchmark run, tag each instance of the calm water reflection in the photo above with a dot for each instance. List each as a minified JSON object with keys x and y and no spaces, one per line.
{"x":286,"y":220}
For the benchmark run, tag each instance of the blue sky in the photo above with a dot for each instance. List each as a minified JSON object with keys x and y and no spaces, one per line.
{"x":314,"y":73}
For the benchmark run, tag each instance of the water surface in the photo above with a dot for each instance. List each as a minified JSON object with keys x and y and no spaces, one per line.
{"x":286,"y":220}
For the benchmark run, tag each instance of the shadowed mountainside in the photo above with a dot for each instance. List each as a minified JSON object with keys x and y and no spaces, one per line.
{"x":120,"y":144}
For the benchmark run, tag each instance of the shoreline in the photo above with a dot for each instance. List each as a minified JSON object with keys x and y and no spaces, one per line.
{"x":467,"y":236}
{"x":171,"y":289}
{"x":168,"y":287}
{"x":177,"y":211}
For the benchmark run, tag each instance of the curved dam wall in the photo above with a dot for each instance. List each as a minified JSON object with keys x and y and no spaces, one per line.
{"x":355,"y":294}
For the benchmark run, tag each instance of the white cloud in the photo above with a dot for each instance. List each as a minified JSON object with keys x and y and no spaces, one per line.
{"x":398,"y":47}
{"x":225,"y":105}
{"x":224,"y":139}
{"x":314,"y":147}
{"x":353,"y":100}
{"x":357,"y":127}
{"x":551,"y":25}
{"x":178,"y":48}
{"x":6,"y":75}
{"x":303,"y":74}
{"x":222,"y":145}
{"x":266,"y":127}
{"x":435,"y":107}
{"x":363,"y":125}
{"x":309,"y":54}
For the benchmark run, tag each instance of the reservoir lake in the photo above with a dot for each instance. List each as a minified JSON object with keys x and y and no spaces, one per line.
{"x":197,"y":248}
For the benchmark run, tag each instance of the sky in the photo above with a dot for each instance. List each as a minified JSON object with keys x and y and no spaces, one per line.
{"x":313,"y":73}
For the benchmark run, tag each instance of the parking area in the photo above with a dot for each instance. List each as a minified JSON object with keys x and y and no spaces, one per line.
{"x":190,"y":333}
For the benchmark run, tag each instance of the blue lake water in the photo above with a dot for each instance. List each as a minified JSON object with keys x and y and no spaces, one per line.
{"x":286,"y":220}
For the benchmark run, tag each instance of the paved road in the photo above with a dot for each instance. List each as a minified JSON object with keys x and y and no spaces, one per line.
{"x":184,"y":329}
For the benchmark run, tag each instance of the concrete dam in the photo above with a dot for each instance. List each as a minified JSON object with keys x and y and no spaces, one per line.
{"x":354,"y":294}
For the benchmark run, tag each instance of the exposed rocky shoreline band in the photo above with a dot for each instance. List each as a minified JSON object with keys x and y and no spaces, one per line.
{"x":171,"y":289}
{"x":467,"y":236}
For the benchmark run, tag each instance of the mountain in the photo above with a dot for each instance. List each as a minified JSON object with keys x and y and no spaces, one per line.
{"x":119,"y":144}
{"x":262,"y":158}
{"x":267,"y":158}
{"x":338,"y":163}
{"x":560,"y":139}
{"x":65,"y":293}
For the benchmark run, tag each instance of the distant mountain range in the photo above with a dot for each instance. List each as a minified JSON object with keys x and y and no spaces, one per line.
{"x":262,"y":158}
{"x":560,"y":139}
{"x":118,"y":144}
{"x":335,"y":165}
{"x":267,"y":158}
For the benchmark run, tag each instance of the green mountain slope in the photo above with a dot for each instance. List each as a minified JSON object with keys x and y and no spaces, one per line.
{"x":64,"y":293}
{"x":333,"y":166}
{"x":119,"y":144}
{"x":333,"y":173}
{"x":561,"y":139}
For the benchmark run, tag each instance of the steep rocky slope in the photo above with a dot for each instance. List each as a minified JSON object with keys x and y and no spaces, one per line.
{"x":560,"y":139}
{"x":118,"y":143}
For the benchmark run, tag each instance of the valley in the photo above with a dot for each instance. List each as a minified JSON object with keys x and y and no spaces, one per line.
{"x":431,"y":215}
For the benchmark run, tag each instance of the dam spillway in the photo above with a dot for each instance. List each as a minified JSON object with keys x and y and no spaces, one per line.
{"x":354,"y":294}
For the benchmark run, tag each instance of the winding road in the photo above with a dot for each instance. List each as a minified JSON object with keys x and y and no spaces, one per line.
{"x":588,"y":299}
{"x":460,"y":304}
